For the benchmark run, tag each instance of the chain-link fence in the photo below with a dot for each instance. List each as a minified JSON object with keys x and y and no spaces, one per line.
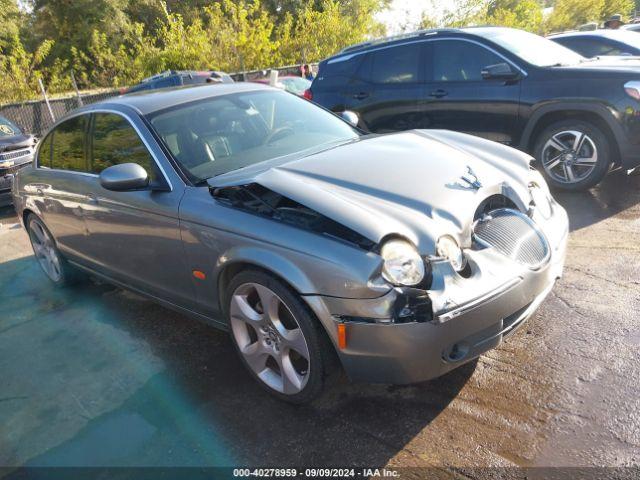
{"x":34,"y":116}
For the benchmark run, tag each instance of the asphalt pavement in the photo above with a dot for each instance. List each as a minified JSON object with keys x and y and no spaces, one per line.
{"x":97,"y":376}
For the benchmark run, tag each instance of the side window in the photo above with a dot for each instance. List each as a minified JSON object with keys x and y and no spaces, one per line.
{"x":588,"y":47}
{"x":68,"y":145}
{"x":115,"y":141}
{"x":458,"y":61}
{"x":396,"y":64}
{"x":44,"y":152}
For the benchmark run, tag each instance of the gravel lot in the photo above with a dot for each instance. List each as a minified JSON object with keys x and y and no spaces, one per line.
{"x":98,"y":376}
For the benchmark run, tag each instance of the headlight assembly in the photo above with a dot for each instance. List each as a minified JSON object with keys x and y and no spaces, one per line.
{"x":403,"y":265}
{"x":448,"y":248}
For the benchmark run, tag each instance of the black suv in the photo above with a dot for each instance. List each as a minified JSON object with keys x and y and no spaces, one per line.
{"x":16,"y":152}
{"x":577,"y":117}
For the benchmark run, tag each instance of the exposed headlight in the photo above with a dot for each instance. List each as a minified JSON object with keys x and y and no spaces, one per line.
{"x":448,"y":248}
{"x":402,"y":263}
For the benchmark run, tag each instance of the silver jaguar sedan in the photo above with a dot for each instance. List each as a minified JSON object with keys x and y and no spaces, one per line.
{"x":402,"y":256}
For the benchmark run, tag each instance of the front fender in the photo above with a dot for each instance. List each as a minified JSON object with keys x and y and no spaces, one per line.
{"x":267,"y":260}
{"x":604,"y":112}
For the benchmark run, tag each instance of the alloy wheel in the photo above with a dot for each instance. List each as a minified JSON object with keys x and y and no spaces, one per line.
{"x":569,"y":156}
{"x":269,"y":338}
{"x":45,"y":251}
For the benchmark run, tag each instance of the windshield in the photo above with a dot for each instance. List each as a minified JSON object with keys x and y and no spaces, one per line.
{"x":297,"y":85}
{"x":229,"y":132}
{"x":624,"y":36}
{"x":8,"y":129}
{"x":533,"y":49}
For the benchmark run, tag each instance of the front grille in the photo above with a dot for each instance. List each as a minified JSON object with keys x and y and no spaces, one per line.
{"x":15,"y":154}
{"x":514,"y":235}
{"x":13,"y":169}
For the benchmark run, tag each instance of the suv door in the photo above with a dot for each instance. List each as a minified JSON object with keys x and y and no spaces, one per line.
{"x":135,"y":236}
{"x":388,"y":89}
{"x":61,"y":184}
{"x":460,"y":99}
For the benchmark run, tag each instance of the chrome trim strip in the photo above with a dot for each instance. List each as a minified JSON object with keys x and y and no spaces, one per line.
{"x":124,"y":115}
{"x":447,"y":315}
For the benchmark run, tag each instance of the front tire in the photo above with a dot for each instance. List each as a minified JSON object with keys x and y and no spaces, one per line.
{"x":276,"y":337}
{"x":53,"y":264}
{"x":573,"y":154}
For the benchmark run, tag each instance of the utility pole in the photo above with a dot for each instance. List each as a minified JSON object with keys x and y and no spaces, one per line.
{"x":44,"y":94}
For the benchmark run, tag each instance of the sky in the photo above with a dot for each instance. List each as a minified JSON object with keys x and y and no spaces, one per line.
{"x":407,"y":12}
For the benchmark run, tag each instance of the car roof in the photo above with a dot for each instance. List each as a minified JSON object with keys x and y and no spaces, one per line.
{"x":620,"y":35}
{"x":149,"y":101}
{"x":481,"y":31}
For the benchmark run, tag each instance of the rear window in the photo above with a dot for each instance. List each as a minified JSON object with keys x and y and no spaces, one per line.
{"x":396,"y":64}
{"x":337,"y":71}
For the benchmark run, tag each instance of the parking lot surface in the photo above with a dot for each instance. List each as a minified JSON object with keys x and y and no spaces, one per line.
{"x":97,"y":376}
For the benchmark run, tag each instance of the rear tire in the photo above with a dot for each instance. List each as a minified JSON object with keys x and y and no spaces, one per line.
{"x":573,"y":154}
{"x":280,"y":343}
{"x":51,"y":261}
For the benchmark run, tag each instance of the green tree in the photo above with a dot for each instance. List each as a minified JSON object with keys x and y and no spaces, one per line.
{"x":11,"y":19}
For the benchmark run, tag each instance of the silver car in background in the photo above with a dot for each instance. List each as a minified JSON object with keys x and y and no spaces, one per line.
{"x":402,"y":255}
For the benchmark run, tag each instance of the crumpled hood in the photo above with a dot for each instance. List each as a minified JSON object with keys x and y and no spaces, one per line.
{"x":406,"y":183}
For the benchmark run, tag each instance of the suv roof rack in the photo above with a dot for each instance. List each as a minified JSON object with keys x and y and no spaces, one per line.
{"x":402,"y":36}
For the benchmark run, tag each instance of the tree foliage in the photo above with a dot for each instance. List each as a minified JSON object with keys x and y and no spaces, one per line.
{"x":111,"y":43}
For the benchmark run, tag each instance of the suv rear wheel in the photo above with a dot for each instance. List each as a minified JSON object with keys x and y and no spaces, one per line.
{"x":573,"y":154}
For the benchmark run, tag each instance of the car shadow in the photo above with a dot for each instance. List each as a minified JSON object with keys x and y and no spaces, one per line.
{"x":7,"y":213}
{"x":102,"y":377}
{"x":616,"y":194}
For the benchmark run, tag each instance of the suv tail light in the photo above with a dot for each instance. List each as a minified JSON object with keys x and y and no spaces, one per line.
{"x":308,"y":94}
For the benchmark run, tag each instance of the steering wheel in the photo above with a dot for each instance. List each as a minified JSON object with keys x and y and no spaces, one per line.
{"x":278,"y":132}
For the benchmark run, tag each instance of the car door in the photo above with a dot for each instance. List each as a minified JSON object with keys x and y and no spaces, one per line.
{"x":134,"y":235}
{"x":460,"y":99}
{"x":61,"y":182}
{"x":388,"y":89}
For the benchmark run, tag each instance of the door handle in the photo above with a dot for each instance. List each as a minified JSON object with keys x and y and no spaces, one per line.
{"x":91,"y":198}
{"x":361,"y":95}
{"x":438,"y":93}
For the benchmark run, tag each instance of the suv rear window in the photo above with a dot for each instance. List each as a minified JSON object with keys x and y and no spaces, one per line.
{"x":396,"y":64}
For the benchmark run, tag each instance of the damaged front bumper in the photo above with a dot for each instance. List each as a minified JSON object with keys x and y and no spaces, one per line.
{"x":410,"y":335}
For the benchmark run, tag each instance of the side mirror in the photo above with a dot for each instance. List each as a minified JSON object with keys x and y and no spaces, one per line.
{"x":499,"y":71}
{"x":350,"y":117}
{"x":123,"y":177}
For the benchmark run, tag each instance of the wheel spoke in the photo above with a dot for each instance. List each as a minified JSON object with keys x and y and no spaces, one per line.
{"x":269,"y":301}
{"x":568,"y":171}
{"x":557,"y":144}
{"x":587,"y":160}
{"x":241,"y":310}
{"x":256,"y":357}
{"x":40,"y":235}
{"x":553,"y":162}
{"x":294,"y":339}
{"x":578,"y":142}
{"x":292,"y":381}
